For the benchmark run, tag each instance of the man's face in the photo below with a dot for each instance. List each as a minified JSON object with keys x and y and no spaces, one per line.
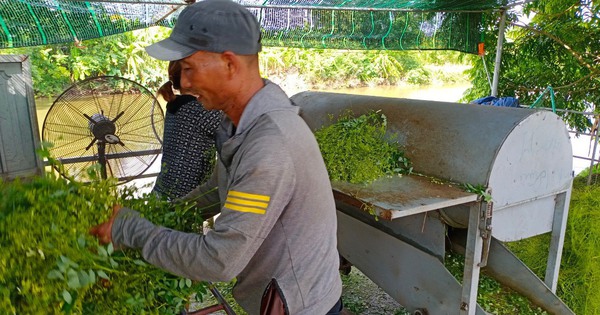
{"x":203,"y":75}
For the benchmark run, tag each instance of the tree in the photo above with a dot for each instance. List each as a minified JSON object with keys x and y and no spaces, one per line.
{"x":56,"y":67}
{"x":558,"y":48}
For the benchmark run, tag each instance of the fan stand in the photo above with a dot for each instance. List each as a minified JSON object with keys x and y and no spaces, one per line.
{"x":103,"y":130}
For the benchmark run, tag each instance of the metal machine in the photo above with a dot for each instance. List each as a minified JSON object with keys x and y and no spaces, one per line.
{"x":524,"y":159}
{"x":19,"y":135}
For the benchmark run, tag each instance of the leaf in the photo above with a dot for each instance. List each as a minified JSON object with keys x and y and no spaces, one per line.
{"x":91,"y":276}
{"x":84,"y":279}
{"x":113,"y":263}
{"x":73,"y":279}
{"x":110,"y":249}
{"x":55,"y":274}
{"x":102,"y":252}
{"x":30,"y":252}
{"x":81,"y":241}
{"x":102,"y":274}
{"x":62,"y":266}
{"x":68,"y":262}
{"x":67,"y":297}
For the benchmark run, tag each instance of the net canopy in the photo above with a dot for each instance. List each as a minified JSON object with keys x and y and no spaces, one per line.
{"x":335,"y":24}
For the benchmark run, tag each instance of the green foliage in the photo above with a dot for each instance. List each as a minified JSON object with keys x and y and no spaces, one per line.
{"x":419,"y":76}
{"x":533,"y":252}
{"x":50,"y":264}
{"x":336,"y":67}
{"x":579,"y":278}
{"x":479,"y":190}
{"x":491,"y":295}
{"x":593,"y":174}
{"x":579,"y":282}
{"x":323,"y":68}
{"x":356,"y":149}
{"x":558,"y":48}
{"x":56,"y":67}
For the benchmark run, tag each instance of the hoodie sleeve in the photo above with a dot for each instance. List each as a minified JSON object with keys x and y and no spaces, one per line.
{"x":259,"y":191}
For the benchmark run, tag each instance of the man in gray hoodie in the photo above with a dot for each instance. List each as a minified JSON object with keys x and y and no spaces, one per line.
{"x":277,"y":224}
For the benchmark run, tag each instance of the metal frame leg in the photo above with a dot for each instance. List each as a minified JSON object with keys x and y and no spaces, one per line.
{"x":473,"y":251}
{"x":559,"y":226}
{"x":417,"y":280}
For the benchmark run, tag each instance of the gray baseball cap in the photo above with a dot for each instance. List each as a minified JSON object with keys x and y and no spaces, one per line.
{"x":210,"y":25}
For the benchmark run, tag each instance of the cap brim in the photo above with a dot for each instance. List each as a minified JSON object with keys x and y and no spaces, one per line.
{"x":169,"y":50}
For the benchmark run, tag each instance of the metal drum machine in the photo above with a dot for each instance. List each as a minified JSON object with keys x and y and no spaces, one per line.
{"x":522,"y":157}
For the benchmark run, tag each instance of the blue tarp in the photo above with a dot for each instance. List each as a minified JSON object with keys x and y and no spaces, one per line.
{"x":497,"y":101}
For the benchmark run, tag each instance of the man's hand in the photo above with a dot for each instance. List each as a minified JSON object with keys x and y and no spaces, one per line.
{"x":103,"y":231}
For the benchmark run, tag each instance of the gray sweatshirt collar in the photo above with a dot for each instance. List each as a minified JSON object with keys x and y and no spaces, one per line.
{"x":270,"y":98}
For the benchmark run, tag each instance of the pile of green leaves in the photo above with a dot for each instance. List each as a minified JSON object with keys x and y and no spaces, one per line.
{"x":357,"y":150}
{"x":49,"y":264}
{"x":493,"y":297}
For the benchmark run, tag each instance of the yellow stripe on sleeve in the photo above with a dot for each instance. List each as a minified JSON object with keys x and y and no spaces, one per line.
{"x":246,"y":202}
{"x":240,"y":194}
{"x":244,"y":209}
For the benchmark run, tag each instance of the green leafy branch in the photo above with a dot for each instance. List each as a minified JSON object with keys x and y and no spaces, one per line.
{"x":480,"y":190}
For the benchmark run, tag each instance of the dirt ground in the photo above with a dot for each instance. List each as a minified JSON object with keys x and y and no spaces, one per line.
{"x":363,"y":297}
{"x":360,"y":296}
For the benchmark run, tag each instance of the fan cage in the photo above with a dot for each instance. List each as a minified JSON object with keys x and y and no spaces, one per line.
{"x":128,"y":108}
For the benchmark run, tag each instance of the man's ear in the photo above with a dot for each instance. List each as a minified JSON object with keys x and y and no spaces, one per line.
{"x":232,"y":62}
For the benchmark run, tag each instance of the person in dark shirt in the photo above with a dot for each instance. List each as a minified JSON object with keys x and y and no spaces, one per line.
{"x":188,"y":142}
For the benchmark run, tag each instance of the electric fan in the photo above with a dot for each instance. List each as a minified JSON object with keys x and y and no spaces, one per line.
{"x":110,"y":121}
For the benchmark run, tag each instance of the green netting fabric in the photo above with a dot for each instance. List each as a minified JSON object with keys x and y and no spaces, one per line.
{"x":338,"y":24}
{"x":405,"y":5}
{"x":41,"y":22}
{"x":380,"y":30}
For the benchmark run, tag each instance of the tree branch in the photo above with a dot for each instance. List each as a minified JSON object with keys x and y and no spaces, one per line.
{"x":590,"y":75}
{"x":575,"y":54}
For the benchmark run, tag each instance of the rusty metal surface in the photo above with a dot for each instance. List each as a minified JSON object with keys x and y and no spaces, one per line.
{"x":395,"y":197}
{"x":417,"y":280}
{"x":425,"y":231}
{"x":453,"y":141}
{"x":506,"y":150}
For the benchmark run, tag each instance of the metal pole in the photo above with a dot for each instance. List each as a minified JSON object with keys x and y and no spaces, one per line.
{"x":501,"y":29}
{"x":102,"y":158}
{"x":593,"y":137}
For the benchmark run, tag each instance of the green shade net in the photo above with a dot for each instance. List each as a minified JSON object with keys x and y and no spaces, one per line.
{"x":381,"y":30}
{"x":350,"y":24}
{"x":41,"y":22}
